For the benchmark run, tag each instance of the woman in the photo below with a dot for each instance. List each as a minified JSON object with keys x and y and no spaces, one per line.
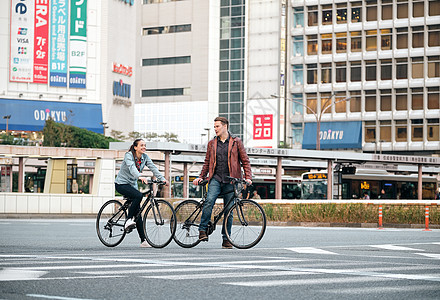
{"x":126,"y":183}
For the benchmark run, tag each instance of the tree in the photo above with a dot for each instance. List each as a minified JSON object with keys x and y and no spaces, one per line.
{"x":134,"y":135}
{"x":149,"y":136}
{"x":116,"y":134}
{"x":170,"y":137}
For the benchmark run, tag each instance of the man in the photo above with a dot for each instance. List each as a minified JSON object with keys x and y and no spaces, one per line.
{"x":225,"y":157}
{"x":256,"y":196}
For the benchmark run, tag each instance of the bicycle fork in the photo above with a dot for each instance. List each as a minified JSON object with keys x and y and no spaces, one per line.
{"x":240,"y":215}
{"x":156,"y":210}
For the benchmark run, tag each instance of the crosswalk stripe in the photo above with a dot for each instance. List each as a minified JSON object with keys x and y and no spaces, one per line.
{"x":395,"y":248}
{"x":310,"y":250}
{"x":228,"y":275}
{"x":432,"y":255}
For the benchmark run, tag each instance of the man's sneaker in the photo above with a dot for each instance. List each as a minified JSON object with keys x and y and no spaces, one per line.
{"x":226,"y":244}
{"x":203,"y":236}
{"x":145,"y":244}
{"x":129,"y":225}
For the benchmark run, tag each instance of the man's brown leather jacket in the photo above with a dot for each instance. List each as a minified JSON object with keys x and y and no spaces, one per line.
{"x":237,"y":157}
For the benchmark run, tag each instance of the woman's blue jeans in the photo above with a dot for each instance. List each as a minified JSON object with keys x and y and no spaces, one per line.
{"x":215,"y":188}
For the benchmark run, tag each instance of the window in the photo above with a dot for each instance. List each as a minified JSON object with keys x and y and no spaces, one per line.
{"x":355,"y":71}
{"x":165,"y":92}
{"x":401,"y":131}
{"x":370,"y":131}
{"x":402,"y":38}
{"x":297,"y":135}
{"x":341,"y":72}
{"x":418,"y":9}
{"x":355,"y":101}
{"x":166,"y":61}
{"x":297,"y":108}
{"x":298,"y":46}
{"x":370,"y":70}
{"x":326,"y":102}
{"x":341,"y":42}
{"x":327,"y":14}
{"x":417,"y":36}
{"x":386,"y":69}
{"x":387,"y":9}
{"x":326,"y":43}
{"x":433,"y":130}
{"x":326,"y":73}
{"x":298,"y":74}
{"x":312,"y":44}
{"x":312,"y":74}
{"x":166,"y":29}
{"x":433,"y":98}
{"x":341,"y":13}
{"x":417,"y":130}
{"x":434,"y":8}
{"x":311,"y":102}
{"x":340,"y":104}
{"x":402,"y":68}
{"x":417,"y":67}
{"x":356,"y":12}
{"x":298,"y":17}
{"x":356,"y":41}
{"x":371,"y":10}
{"x":402,"y":9}
{"x":434,"y":35}
{"x":371,"y":40}
{"x":386,"y":39}
{"x":385,"y":131}
{"x":401,"y":99}
{"x":312,"y":12}
{"x":370,"y":100}
{"x":385,"y":100}
{"x":417,"y":98}
{"x":433,"y":66}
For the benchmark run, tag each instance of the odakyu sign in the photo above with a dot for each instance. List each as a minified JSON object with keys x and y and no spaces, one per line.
{"x":334,"y":135}
{"x":121,"y":89}
{"x":29,"y":115}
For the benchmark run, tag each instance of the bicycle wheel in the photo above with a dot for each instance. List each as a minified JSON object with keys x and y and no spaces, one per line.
{"x":188,"y":220}
{"x":110,"y":223}
{"x":159,"y":224}
{"x":248,"y":225}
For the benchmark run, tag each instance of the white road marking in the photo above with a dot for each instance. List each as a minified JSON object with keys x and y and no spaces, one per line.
{"x":228,"y":275}
{"x":311,"y":250}
{"x":12,"y":274}
{"x":395,"y":248}
{"x":383,"y":289}
{"x":432,"y":255}
{"x":66,"y":278}
{"x":54,"y":297}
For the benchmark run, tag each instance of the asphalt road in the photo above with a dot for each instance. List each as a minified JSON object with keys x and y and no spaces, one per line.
{"x":63,"y":259}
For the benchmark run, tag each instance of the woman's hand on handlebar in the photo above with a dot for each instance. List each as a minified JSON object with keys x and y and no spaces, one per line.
{"x":144,"y":179}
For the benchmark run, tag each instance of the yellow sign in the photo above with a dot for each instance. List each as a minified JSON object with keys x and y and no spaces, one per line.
{"x":365,"y":185}
{"x":317,"y":176}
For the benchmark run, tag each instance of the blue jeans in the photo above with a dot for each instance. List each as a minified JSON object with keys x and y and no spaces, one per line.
{"x":215,"y":188}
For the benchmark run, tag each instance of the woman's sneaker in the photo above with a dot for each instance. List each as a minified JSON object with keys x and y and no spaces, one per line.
{"x":145,"y":244}
{"x":129,"y":225}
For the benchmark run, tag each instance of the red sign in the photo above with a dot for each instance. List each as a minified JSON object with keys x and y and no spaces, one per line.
{"x":263,"y":127}
{"x":121,"y":69}
{"x":41,"y":41}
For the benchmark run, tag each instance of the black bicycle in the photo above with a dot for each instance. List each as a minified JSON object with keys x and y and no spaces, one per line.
{"x":248,"y":225}
{"x":159,"y":216}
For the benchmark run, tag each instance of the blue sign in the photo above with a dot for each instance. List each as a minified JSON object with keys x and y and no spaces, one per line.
{"x":28,"y":115}
{"x":121,"y":89}
{"x":58,"y":43}
{"x":334,"y":135}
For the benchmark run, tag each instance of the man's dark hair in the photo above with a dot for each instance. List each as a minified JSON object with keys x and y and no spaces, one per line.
{"x":223,"y":120}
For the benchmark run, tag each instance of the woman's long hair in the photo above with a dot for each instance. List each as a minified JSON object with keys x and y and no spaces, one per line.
{"x":135,"y":143}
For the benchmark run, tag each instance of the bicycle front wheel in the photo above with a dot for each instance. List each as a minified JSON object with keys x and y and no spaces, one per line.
{"x":248,"y":224}
{"x":159,"y":223}
{"x":188,"y":216}
{"x":110,"y":223}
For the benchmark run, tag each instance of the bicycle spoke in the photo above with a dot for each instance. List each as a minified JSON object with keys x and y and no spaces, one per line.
{"x":110,"y":223}
{"x":188,"y":219}
{"x":159,"y":223}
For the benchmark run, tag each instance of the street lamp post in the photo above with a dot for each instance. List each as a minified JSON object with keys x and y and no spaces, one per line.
{"x":7,"y":122}
{"x":207,"y":129}
{"x":104,"y":126}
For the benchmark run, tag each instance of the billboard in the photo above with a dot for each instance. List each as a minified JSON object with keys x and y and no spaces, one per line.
{"x":334,"y":135}
{"x":58,"y":42}
{"x":262,"y":123}
{"x":41,"y":41}
{"x":78,"y":44}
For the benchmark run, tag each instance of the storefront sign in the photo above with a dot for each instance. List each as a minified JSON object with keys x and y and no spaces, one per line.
{"x":121,"y":69}
{"x":263,"y":127}
{"x":58,"y":43}
{"x":41,"y":41}
{"x":334,"y":135}
{"x":78,"y":44}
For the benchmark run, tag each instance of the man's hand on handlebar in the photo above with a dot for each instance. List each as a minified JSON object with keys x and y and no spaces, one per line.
{"x":248,"y":181}
{"x":197,"y":181}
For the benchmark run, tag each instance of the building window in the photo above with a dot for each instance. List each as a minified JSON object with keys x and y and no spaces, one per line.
{"x":401,"y":131}
{"x":327,"y":14}
{"x":386,"y":39}
{"x":355,"y":71}
{"x":417,"y":130}
{"x":356,"y":41}
{"x":311,"y":103}
{"x":386,"y":69}
{"x":401,"y":99}
{"x":402,"y":38}
{"x":371,"y":10}
{"x":434,"y":35}
{"x":385,"y":131}
{"x":370,"y":131}
{"x":326,"y":73}
{"x":312,"y":44}
{"x":312,"y":13}
{"x":433,"y":129}
{"x":165,"y":92}
{"x":340,"y":104}
{"x":298,"y":17}
{"x":434,"y":8}
{"x":355,"y":101}
{"x":370,"y":100}
{"x":166,"y":29}
{"x":417,"y":67}
{"x":402,"y":68}
{"x":402,"y":9}
{"x":341,"y":13}
{"x":417,"y":36}
{"x":298,"y":77}
{"x":297,"y":108}
{"x":297,"y":134}
{"x":418,"y":9}
{"x":326,"y":101}
{"x":356,"y":12}
{"x":341,"y":42}
{"x":387,"y":9}
{"x":371,"y":40}
{"x":417,"y":98}
{"x":370,"y":70}
{"x":166,"y":61}
{"x":312,"y":74}
{"x":326,"y":43}
{"x":385,"y":100}
{"x":298,"y":46}
{"x":433,"y":98}
{"x":433,"y":66}
{"x":341,"y":72}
